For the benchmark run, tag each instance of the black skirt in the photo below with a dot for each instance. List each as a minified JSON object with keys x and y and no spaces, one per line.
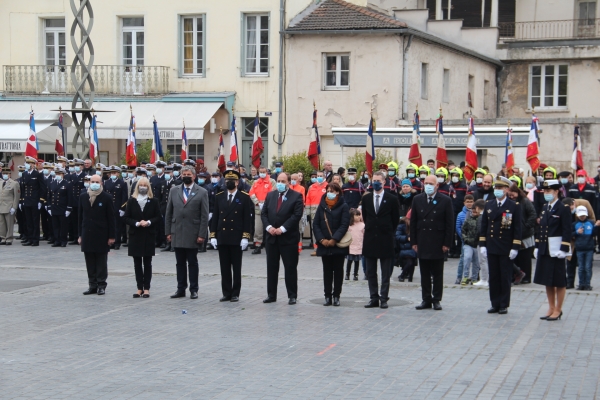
{"x":550,"y":271}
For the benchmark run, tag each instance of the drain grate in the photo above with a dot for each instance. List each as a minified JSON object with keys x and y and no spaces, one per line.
{"x":11,"y":285}
{"x":359,"y":302}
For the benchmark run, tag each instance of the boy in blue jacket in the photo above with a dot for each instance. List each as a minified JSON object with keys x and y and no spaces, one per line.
{"x":584,"y":246}
{"x":460,"y":219}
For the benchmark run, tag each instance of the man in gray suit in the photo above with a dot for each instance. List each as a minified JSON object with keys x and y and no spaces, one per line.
{"x":10,"y":193}
{"x":186,"y":224}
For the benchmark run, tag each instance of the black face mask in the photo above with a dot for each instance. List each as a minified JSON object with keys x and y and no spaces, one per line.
{"x":187,"y":180}
{"x":230,"y":185}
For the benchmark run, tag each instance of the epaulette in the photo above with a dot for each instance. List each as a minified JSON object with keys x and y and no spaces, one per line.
{"x":244,"y":193}
{"x":566,"y":205}
{"x":516,"y":202}
{"x":221,"y":192}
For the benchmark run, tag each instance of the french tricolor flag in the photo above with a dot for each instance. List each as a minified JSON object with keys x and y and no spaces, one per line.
{"x":184,"y":144}
{"x":94,"y":148}
{"x":471,"y":153}
{"x":31,"y":150}
{"x":157,"y":151}
{"x":233,"y":148}
{"x":59,"y":145}
{"x":370,"y":152}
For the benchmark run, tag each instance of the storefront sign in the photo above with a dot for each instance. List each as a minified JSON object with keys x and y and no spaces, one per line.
{"x":12,"y":146}
{"x":405,"y":140}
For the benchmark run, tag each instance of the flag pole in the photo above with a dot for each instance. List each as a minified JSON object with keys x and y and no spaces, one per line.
{"x":318,"y":139}
{"x":237,"y":148}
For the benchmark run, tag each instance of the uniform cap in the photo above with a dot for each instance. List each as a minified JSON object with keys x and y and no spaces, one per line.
{"x":383,"y":166}
{"x":29,"y":159}
{"x":502,"y":181}
{"x":351,"y":170}
{"x":232,"y":174}
{"x":551,"y":184}
{"x":160,"y":164}
{"x":150,"y":166}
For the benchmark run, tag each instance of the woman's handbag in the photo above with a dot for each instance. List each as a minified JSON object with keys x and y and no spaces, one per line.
{"x":346,"y":239}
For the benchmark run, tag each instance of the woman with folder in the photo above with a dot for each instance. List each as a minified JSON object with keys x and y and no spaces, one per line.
{"x":552,"y":247}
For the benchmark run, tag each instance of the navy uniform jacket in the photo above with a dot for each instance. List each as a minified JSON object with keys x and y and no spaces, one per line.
{"x":554,"y":222}
{"x":232,"y":222}
{"x":34,"y":189}
{"x":60,"y":197}
{"x":501,"y":227}
{"x":458,"y":197}
{"x":212,"y":192}
{"x":76,"y":181}
{"x":165,"y":195}
{"x":117,"y":190}
{"x":353,"y":192}
{"x":588,"y":193}
{"x":158,"y":184}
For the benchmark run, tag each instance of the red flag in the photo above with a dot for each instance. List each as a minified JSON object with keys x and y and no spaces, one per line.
{"x":131,"y":151}
{"x":471,"y":153}
{"x":257,"y":144}
{"x":221,"y":163}
{"x":577,"y":157}
{"x":509,"y":157}
{"x":314,"y":147}
{"x":414,"y":156}
{"x":532,"y":145}
{"x":441,"y":156}
{"x":31,"y":149}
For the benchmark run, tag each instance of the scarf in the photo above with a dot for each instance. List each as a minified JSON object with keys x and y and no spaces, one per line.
{"x":331,"y":203}
{"x":142,"y":200}
{"x":93,"y":194}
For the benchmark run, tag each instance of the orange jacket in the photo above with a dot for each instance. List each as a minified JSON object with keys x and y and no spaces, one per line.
{"x":315,"y":193}
{"x":300,"y":189}
{"x":260,"y":188}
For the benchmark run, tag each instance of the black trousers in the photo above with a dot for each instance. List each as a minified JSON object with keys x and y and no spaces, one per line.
{"x":46,"y":221}
{"x":22,"y":224}
{"x":432,"y":270}
{"x":289,"y":255}
{"x":123,"y":230}
{"x":349,"y":267}
{"x":523,"y":261}
{"x":97,"y":269}
{"x":386,"y":270}
{"x":333,"y":274}
{"x":143,"y":275}
{"x":60,"y":224}
{"x":572,"y":269}
{"x":73,"y":221}
{"x":408,"y":267}
{"x":118,"y":224}
{"x":230,"y":258}
{"x":187,"y":261}
{"x":160,"y":233}
{"x":32,"y":218}
{"x":501,"y":274}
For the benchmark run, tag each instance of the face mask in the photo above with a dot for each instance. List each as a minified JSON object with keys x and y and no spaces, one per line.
{"x":98,"y":172}
{"x":548,"y":197}
{"x":429,"y":189}
{"x":129,"y":175}
{"x":499,"y":193}
{"x":201,"y":181}
{"x":440,"y":180}
{"x":564,"y":181}
{"x":479,"y":180}
{"x":262,"y":175}
{"x":423,"y":176}
{"x":45,"y":171}
{"x":331,"y":196}
{"x":159,"y":171}
{"x":114,"y":177}
{"x":411,"y":175}
{"x":5,"y":177}
{"x":150,"y":173}
{"x":351,"y":178}
{"x":573,"y":211}
{"x":214,"y":180}
{"x":313,"y":180}
{"x":77,"y":168}
{"x":529,"y":186}
{"x":27,"y":167}
{"x":320,"y":179}
{"x":168,"y":177}
{"x":581,"y":180}
{"x":187,"y":180}
{"x":391,"y":173}
{"x":59,"y":178}
{"x":294,"y":182}
{"x":230,"y":185}
{"x":377,"y":186}
{"x":175,"y":173}
{"x":278,"y":170}
{"x":95,"y":186}
{"x":86,"y":184}
{"x":281,"y":187}
{"x":143,"y":190}
{"x":124,"y":175}
{"x":455,"y":179}
{"x":20,"y":174}
{"x":52,"y":173}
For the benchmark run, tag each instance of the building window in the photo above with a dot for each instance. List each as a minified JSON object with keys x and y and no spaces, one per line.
{"x":424,"y":70}
{"x":193,"y":45}
{"x":470,"y":101}
{"x":587,"y":13}
{"x":54,"y":38}
{"x":548,"y":86}
{"x":256,"y":44}
{"x":133,"y":41}
{"x":337,"y":71}
{"x":195,"y":149}
{"x":446,"y":87}
{"x":486,"y":94}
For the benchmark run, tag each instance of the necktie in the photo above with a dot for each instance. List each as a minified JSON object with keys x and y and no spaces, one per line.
{"x":230,"y":198}
{"x":376,"y":204}
{"x":429,"y":199}
{"x":499,"y":204}
{"x":279,"y":201}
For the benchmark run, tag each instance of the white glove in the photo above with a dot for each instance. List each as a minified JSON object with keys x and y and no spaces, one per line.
{"x":46,"y":207}
{"x":244,"y":244}
{"x":67,"y":213}
{"x":483,"y":251}
{"x":20,"y":207}
{"x":561,"y":254}
{"x":513,"y":254}
{"x":39,"y":206}
{"x":209,"y":216}
{"x":213,"y":241}
{"x":535,"y":253}
{"x":121,"y":213}
{"x":260,"y":205}
{"x":12,"y":211}
{"x":49,"y":212}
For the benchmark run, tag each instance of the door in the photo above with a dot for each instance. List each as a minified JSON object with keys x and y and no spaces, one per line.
{"x":132,"y":79}
{"x":55,"y":76}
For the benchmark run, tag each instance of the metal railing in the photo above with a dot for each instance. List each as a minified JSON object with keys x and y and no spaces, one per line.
{"x":111,"y":80}
{"x":560,"y":29}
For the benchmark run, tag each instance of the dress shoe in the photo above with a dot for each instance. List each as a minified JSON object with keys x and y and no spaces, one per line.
{"x":26,"y":244}
{"x":492,"y":310}
{"x":347,"y":277}
{"x":172,"y":249}
{"x":2,"y":243}
{"x":162,"y":246}
{"x":292,"y":301}
{"x":193,"y":295}
{"x":384,"y":304}
{"x":90,"y":291}
{"x":355,"y":277}
{"x":256,"y":251}
{"x":178,"y":294}
{"x":63,"y":245}
{"x":124,"y":245}
{"x":336,"y":301}
{"x":73,"y":242}
{"x":327,"y":301}
{"x":545,"y":317}
{"x":100,"y":292}
{"x":117,"y":246}
{"x":51,"y":242}
{"x":503,"y":311}
{"x":137,"y":295}
{"x":423,"y":306}
{"x":437,"y":306}
{"x":167,"y":248}
{"x":201,"y":250}
{"x":56,"y":244}
{"x":35,"y":244}
{"x":234,"y":299}
{"x":224,"y":298}
{"x":570,"y":286}
{"x":10,"y":244}
{"x":554,"y":318}
{"x":372,"y":304}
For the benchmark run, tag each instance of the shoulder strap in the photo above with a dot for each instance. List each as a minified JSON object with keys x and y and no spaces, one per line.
{"x":327,"y":223}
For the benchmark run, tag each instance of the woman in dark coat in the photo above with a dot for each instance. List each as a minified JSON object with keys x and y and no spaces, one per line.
{"x":528,"y":224}
{"x":331,"y":224}
{"x":143,"y":217}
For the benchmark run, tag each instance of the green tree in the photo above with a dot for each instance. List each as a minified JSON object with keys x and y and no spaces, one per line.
{"x":382,"y":156}
{"x":295,"y":162}
{"x":143,"y":153}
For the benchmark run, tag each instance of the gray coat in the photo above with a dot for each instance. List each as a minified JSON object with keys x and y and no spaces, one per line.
{"x":185,"y":222}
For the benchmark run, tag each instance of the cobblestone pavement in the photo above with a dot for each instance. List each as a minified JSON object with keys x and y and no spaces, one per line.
{"x":56,"y":343}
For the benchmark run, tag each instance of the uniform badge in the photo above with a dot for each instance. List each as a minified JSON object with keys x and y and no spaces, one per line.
{"x":489,"y":211}
{"x":99,"y":204}
{"x":435,"y":202}
{"x":506,"y":220}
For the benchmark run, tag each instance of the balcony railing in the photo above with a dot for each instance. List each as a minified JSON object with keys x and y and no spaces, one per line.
{"x":109,"y":80}
{"x":539,"y":30}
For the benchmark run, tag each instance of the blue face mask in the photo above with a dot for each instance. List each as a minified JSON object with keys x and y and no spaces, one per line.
{"x":262,"y":175}
{"x":377,"y":186}
{"x":411,"y":175}
{"x":406,"y":195}
{"x":27,"y":167}
{"x":5,"y":177}
{"x":86,"y":184}
{"x":278,"y":170}
{"x":201,"y":181}
{"x":175,"y":173}
{"x":77,"y":168}
{"x":114,"y":177}
{"x":313,"y":180}
{"x":548,"y":197}
{"x":129,"y":175}
{"x":124,"y":174}
{"x":499,"y":193}
{"x":564,"y":181}
{"x":59,"y":178}
{"x":391,"y":173}
{"x":20,"y":174}
{"x":52,"y":173}
{"x":320,"y":179}
{"x":331,"y":196}
{"x":294,"y":182}
{"x":281,"y":187}
{"x":45,"y":171}
{"x":168,"y":177}
{"x":94,"y":186}
{"x":98,"y":172}
{"x":159,"y":171}
{"x":529,"y":186}
{"x":429,"y":189}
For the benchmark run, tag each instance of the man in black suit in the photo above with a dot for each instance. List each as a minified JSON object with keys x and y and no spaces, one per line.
{"x":431,"y":235}
{"x":33,"y":195}
{"x":281,"y":214}
{"x":230,"y":230}
{"x":381,"y":213}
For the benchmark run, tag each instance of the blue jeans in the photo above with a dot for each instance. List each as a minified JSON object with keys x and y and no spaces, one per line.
{"x":461,"y":263}
{"x":585,"y":259}
{"x":471,"y":258}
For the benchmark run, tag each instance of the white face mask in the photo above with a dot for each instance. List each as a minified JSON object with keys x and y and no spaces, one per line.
{"x":440,"y":179}
{"x":214,"y":180}
{"x":479,"y":180}
{"x":423,"y":176}
{"x":455,"y":179}
{"x":581,"y":180}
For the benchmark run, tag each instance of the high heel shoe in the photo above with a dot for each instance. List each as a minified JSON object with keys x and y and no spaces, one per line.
{"x":545,"y":317}
{"x":554,"y":319}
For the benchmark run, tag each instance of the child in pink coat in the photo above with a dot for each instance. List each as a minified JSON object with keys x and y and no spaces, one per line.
{"x":357,"y":230}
